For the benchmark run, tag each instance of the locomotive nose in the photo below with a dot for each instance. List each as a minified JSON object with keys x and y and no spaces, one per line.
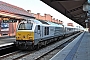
{"x":25,"y":36}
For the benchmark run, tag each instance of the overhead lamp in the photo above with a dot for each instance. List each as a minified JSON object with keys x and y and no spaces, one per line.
{"x":86,"y":6}
{"x":86,"y":21}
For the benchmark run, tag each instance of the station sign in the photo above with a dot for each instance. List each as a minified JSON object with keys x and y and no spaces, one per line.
{"x":9,"y":21}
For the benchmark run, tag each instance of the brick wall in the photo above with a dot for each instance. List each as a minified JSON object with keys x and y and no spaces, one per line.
{"x":46,"y":17}
{"x":13,"y":26}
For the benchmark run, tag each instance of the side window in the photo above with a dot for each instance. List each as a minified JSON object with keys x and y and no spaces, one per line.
{"x":38,"y":27}
{"x":47,"y":30}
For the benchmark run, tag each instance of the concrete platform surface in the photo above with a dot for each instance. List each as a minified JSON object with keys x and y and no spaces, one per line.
{"x":6,"y":40}
{"x":78,"y":49}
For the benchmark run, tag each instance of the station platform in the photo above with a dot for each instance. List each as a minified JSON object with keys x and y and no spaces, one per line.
{"x":78,"y":49}
{"x":6,"y":40}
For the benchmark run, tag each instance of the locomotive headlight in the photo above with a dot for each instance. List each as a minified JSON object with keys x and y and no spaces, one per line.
{"x":17,"y":38}
{"x":18,"y":35}
{"x":30,"y":38}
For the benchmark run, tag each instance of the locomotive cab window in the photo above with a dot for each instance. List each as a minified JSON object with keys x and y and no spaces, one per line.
{"x":25,"y":26}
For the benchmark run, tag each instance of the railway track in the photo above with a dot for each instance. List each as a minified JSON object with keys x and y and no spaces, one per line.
{"x":50,"y":54}
{"x":15,"y":55}
{"x":7,"y":48}
{"x":37,"y":54}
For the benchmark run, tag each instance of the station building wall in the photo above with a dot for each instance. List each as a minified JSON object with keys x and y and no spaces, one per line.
{"x":11,"y":31}
{"x":8,"y":31}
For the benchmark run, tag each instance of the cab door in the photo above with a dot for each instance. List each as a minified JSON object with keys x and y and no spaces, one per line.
{"x":39,"y":30}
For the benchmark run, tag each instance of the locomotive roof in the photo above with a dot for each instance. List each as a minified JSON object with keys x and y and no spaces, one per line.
{"x":42,"y":22}
{"x":39,"y":21}
{"x":47,"y":23}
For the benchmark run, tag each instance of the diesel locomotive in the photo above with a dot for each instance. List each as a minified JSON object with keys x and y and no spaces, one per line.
{"x":34,"y":33}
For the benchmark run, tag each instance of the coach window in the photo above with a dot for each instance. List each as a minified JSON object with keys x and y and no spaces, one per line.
{"x":38,"y":27}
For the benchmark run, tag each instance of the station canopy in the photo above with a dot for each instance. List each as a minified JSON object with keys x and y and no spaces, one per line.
{"x":72,"y":9}
{"x":8,"y":10}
